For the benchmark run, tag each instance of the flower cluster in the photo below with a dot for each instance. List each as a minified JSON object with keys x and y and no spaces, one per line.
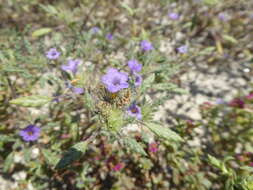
{"x":115,"y":80}
{"x":71,"y":66}
{"x":135,"y":67}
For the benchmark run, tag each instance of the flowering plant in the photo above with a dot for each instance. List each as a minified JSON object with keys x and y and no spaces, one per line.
{"x":84,"y":87}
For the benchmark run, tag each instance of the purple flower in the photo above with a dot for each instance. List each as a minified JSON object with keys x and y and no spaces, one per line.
{"x":117,"y":167}
{"x":153,"y":147}
{"x":137,"y":79}
{"x":134,"y":111}
{"x":53,"y":54}
{"x":95,"y":30}
{"x":223,"y":17}
{"x":237,"y":103}
{"x":109,"y":36}
{"x":182,"y":49}
{"x":30,"y":133}
{"x":220,"y":101}
{"x":173,"y":16}
{"x":250,"y":96}
{"x":146,"y":45}
{"x":134,"y":65}
{"x":78,"y":90}
{"x":72,"y":65}
{"x":115,"y":80}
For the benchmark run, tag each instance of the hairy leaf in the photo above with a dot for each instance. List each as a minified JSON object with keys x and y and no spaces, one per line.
{"x":72,"y":155}
{"x":164,"y":132}
{"x":51,"y":158}
{"x":41,"y":32}
{"x":31,"y":101}
{"x":134,"y":146}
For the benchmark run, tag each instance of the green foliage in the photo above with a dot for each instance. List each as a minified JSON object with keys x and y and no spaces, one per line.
{"x":8,"y":162}
{"x":211,"y":2}
{"x":41,"y":32}
{"x":72,"y":155}
{"x":163,"y":132}
{"x":134,"y":146}
{"x":31,"y":101}
{"x":51,"y":158}
{"x":81,"y":145}
{"x":115,"y":120}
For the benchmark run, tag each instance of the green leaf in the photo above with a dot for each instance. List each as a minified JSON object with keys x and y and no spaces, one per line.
{"x":115,"y":120}
{"x":129,"y":9}
{"x":6,"y":138}
{"x":147,"y":112}
{"x":247,"y":168}
{"x":27,"y":154}
{"x":8,"y":162}
{"x":147,"y":82}
{"x":50,"y":9}
{"x":72,"y":155}
{"x":164,"y":132}
{"x":211,"y":2}
{"x":134,"y":146}
{"x":207,"y":50}
{"x":31,"y":101}
{"x":88,"y":100}
{"x":81,"y":146}
{"x":51,"y":158}
{"x":229,"y":39}
{"x":41,"y":32}
{"x":215,"y":162}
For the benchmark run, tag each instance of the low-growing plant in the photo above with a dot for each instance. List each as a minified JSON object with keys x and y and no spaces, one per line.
{"x":78,"y":100}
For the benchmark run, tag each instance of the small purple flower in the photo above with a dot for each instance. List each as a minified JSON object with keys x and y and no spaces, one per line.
{"x":109,"y":36}
{"x":72,"y":65}
{"x":223,"y":17}
{"x":173,"y":16}
{"x":220,"y":101}
{"x":78,"y":90}
{"x":250,"y":96}
{"x":95,"y":30}
{"x":53,"y":54}
{"x":117,"y":167}
{"x":134,"y":65}
{"x":153,"y":147}
{"x":134,"y":111}
{"x":137,"y":79}
{"x":115,"y":80}
{"x":146,"y":45}
{"x":237,"y":103}
{"x":182,"y":49}
{"x":30,"y":133}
